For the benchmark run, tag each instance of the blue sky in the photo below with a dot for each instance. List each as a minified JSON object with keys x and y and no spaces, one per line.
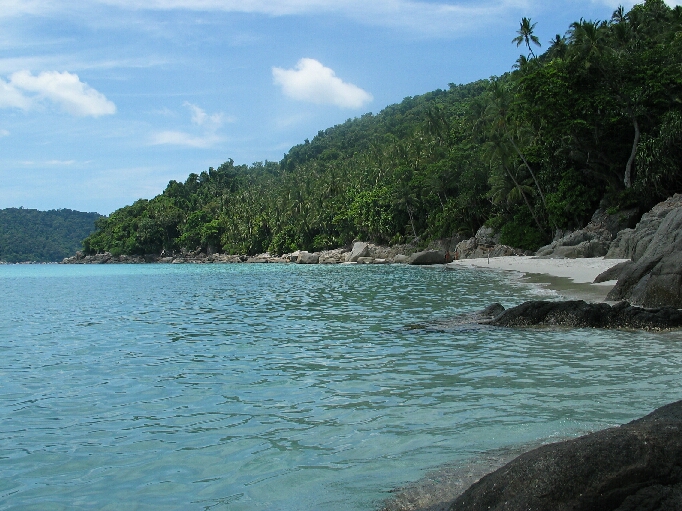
{"x":103,"y":102}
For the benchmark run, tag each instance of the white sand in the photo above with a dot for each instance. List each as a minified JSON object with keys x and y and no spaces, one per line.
{"x":578,"y":270}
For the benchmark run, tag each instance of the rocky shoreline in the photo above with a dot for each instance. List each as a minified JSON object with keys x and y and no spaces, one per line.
{"x":359,"y":253}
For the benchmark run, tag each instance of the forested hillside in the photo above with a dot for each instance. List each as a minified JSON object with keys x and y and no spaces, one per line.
{"x":596,"y":118}
{"x":42,"y":236}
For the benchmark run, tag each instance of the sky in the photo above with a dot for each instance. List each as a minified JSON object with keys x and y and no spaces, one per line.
{"x":102,"y":102}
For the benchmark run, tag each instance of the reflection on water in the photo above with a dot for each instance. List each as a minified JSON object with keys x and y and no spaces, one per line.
{"x":285,"y":387}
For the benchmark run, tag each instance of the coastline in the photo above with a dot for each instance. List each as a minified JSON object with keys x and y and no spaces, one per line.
{"x":570,"y":278}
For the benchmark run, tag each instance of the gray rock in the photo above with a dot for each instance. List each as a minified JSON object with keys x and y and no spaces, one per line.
{"x":613,"y":273}
{"x":360,"y":249}
{"x":365,"y":260}
{"x":655,"y":279}
{"x":401,"y":259}
{"x":637,"y":466}
{"x":633,"y":243}
{"x":487,"y":236}
{"x":427,"y":257}
{"x":592,"y":241}
{"x":308,"y":258}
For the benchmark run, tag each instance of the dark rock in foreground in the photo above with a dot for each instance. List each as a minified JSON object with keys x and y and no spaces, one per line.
{"x":581,"y":314}
{"x":637,"y":466}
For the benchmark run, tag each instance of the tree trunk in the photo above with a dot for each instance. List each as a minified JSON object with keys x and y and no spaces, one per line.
{"x":627,"y":181}
{"x":524,"y":198}
{"x":537,"y":185}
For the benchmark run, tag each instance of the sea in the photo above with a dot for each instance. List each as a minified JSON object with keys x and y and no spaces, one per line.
{"x":288,"y":387}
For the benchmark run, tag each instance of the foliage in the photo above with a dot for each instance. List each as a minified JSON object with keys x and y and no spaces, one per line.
{"x":597,"y":114}
{"x":42,"y":236}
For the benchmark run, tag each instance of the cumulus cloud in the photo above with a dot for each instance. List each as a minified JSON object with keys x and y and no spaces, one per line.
{"x":312,"y":82}
{"x":66,"y":90}
{"x":208,"y":138}
{"x":24,"y":91}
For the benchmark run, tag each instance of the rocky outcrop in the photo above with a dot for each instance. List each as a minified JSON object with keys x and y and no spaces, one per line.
{"x":484,"y":244}
{"x":637,"y":466}
{"x":654,"y":279}
{"x":592,"y":241}
{"x":633,"y":243}
{"x":581,"y":314}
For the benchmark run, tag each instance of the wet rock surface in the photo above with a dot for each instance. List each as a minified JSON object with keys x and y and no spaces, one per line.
{"x":581,"y":314}
{"x":637,"y":466}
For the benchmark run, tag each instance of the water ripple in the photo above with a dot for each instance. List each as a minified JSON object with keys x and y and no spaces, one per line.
{"x":284,"y":387}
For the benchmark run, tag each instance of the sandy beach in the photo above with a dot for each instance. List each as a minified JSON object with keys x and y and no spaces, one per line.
{"x":572,"y":278}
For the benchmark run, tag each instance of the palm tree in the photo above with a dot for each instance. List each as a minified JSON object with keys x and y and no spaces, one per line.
{"x":526,"y":35}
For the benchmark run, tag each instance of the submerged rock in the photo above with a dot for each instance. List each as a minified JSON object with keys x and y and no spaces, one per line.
{"x":637,"y":466}
{"x":581,"y":314}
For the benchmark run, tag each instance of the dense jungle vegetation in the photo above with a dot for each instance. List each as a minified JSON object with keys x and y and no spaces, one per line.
{"x":596,"y":117}
{"x":42,"y":236}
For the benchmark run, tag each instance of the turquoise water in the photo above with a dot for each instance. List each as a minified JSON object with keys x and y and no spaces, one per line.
{"x":285,"y":387}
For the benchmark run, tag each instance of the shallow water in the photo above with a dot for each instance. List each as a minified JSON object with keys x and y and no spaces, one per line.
{"x":285,"y":387}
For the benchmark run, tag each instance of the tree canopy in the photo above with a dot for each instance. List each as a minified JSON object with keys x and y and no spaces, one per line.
{"x":594,"y":119}
{"x":42,"y":236}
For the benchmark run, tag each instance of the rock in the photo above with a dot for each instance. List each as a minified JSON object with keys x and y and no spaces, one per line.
{"x":581,"y":314}
{"x":308,"y":258}
{"x":360,"y":249}
{"x":633,"y":243}
{"x":637,"y":466}
{"x":401,"y":259}
{"x":427,"y":257}
{"x":612,"y":273}
{"x":592,"y":241}
{"x":655,"y":279}
{"x":487,"y":236}
{"x":365,"y":260}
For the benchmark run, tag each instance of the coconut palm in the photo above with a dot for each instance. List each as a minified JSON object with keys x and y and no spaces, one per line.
{"x":526,"y":35}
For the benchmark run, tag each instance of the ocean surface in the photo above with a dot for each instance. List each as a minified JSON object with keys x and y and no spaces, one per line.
{"x":286,"y":387}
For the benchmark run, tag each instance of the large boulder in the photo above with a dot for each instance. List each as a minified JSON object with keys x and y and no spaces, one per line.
{"x":655,"y":278}
{"x":637,"y":466}
{"x":633,"y":243}
{"x":427,"y":257}
{"x":360,"y":249}
{"x":308,"y":258}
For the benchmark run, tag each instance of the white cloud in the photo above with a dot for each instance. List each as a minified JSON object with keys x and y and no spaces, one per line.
{"x":210,"y":124}
{"x":180,"y":138}
{"x":66,"y":90}
{"x":10,"y":97}
{"x":312,"y":82}
{"x":4,"y":133}
{"x":201,"y":118}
